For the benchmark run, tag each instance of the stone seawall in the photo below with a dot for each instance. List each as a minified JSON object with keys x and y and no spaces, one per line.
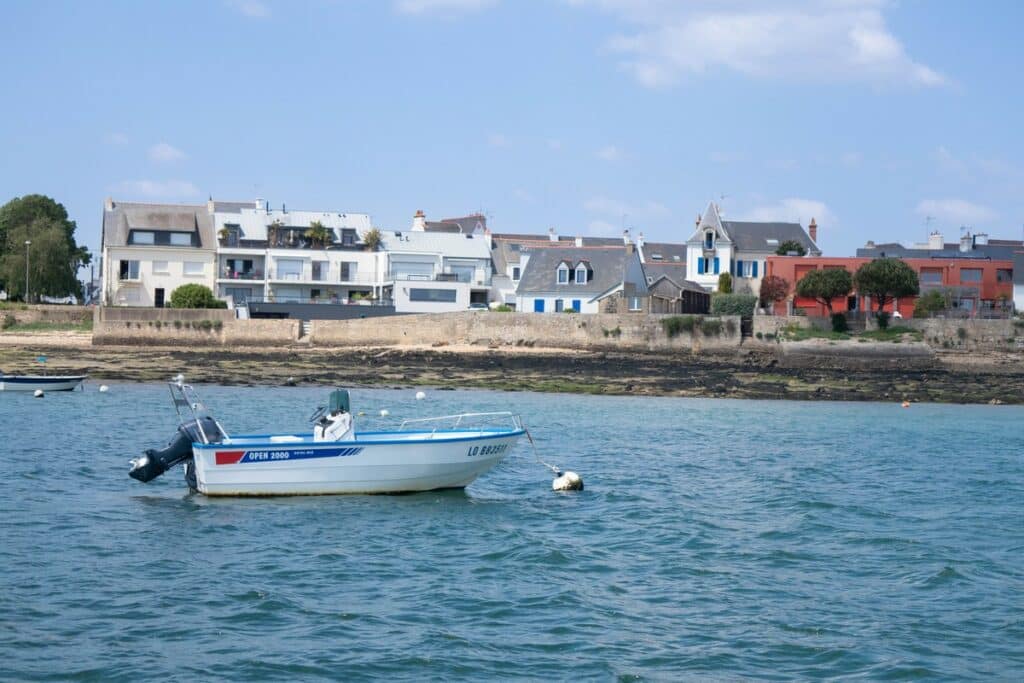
{"x":190,"y":333}
{"x":48,"y":313}
{"x":969,"y":335}
{"x":565,"y":330}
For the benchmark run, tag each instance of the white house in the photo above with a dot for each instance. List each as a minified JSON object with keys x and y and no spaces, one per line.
{"x":149,"y":250}
{"x":558,"y":279}
{"x":740,"y":248}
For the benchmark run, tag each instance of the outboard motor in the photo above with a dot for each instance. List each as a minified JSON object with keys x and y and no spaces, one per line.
{"x":155,"y":462}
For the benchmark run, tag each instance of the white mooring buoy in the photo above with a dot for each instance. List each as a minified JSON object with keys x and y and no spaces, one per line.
{"x":420,"y":395}
{"x":384,"y":412}
{"x":38,"y":393}
{"x":567,"y":481}
{"x":104,"y":388}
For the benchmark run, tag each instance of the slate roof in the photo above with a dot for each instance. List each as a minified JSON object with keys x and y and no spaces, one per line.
{"x":749,"y":236}
{"x":682,"y":285}
{"x":127,"y":216}
{"x":508,"y":246}
{"x":608,"y":264}
{"x":463,"y":224}
{"x":664,"y":252}
{"x":1002,"y":250}
{"x":1018,"y":268}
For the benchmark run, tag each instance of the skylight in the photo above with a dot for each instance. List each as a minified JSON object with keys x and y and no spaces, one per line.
{"x":656,"y":257}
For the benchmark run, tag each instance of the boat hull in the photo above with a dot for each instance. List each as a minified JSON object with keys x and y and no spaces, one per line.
{"x":373,"y":463}
{"x":46,"y":383}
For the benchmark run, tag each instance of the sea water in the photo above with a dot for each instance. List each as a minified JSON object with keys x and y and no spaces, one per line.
{"x":715,"y":539}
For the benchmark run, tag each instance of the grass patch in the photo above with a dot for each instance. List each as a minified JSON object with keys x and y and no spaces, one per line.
{"x":892,"y":334}
{"x":796,"y":333}
{"x":85,"y":326}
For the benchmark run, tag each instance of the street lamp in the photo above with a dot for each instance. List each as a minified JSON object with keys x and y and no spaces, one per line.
{"x":27,"y":244}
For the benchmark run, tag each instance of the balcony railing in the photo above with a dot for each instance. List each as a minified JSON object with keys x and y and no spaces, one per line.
{"x":337,"y":301}
{"x":440,"y":277}
{"x":241,"y":275}
{"x":322,"y":277}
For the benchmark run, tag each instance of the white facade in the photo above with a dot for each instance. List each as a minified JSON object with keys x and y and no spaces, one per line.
{"x":435,"y":271}
{"x":557,"y":302}
{"x":1018,"y":297}
{"x":709,"y":251}
{"x":146,"y":276}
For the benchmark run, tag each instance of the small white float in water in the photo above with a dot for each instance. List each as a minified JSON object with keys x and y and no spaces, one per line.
{"x":567,"y":481}
{"x":104,"y":388}
{"x":384,"y":412}
{"x":420,"y":395}
{"x":38,"y":393}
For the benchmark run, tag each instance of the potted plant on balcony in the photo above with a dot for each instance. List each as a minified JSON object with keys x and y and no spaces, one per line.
{"x":318,"y":235}
{"x":372,"y":239}
{"x":273,"y":232}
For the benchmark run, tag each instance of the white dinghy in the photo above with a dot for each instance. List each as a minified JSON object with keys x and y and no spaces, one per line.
{"x":422,"y":455}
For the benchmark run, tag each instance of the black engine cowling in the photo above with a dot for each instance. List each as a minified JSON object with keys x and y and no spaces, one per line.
{"x":155,"y":462}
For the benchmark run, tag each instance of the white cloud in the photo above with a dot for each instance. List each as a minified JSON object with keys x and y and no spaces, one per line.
{"x":445,"y":6}
{"x":615,"y":208}
{"x":609,"y":153}
{"x":163,"y":153}
{"x":793,"y":210}
{"x":254,"y":9}
{"x":158,"y":189}
{"x":811,"y":40}
{"x":956,"y":211}
{"x":497,"y":140}
{"x":116,"y":139}
{"x":603,"y":229}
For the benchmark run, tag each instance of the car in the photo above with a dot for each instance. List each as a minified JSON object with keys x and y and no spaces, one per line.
{"x":478,"y":306}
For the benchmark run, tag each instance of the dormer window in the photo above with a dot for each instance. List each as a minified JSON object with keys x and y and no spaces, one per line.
{"x":563,"y":274}
{"x":581,"y":274}
{"x":709,"y":239}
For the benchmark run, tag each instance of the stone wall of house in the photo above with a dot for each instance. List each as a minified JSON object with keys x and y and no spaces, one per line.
{"x":188,"y":327}
{"x":133,"y":314}
{"x":969,"y":335}
{"x":562,"y":330}
{"x":188,"y":333}
{"x":260,"y":332}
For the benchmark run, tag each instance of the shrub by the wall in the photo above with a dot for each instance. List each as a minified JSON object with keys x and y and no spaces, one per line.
{"x":733,"y":304}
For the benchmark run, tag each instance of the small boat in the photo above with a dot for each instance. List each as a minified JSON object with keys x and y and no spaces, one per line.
{"x":43,"y":382}
{"x":421,"y":455}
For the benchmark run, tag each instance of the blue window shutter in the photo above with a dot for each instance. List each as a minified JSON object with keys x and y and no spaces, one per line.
{"x":753,"y":270}
{"x":739,"y":268}
{"x":576,"y":305}
{"x":716,"y":265}
{"x":538,"y":305}
{"x":700,"y":265}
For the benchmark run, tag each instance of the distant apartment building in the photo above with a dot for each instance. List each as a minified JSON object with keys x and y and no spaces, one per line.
{"x":976,"y":282}
{"x":740,"y":248}
{"x":149,"y":250}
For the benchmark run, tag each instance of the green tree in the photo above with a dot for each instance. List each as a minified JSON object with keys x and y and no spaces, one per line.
{"x":318,"y":235}
{"x":52,"y":264}
{"x":195,"y":296}
{"x":885,"y":279}
{"x":372,"y":239}
{"x":22,"y":211}
{"x":930,"y":303}
{"x":825,"y":285}
{"x":773,"y":288}
{"x":725,"y":283}
{"x":791,"y":246}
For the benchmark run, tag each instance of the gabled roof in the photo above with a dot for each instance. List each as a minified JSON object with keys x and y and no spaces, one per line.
{"x":681,"y":285}
{"x":1003,"y":250}
{"x":608,"y":264}
{"x":124,"y":217}
{"x":466,"y":225}
{"x":751,"y":236}
{"x":663,"y":252}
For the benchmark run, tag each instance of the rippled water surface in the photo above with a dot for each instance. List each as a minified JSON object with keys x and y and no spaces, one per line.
{"x":715,"y":539}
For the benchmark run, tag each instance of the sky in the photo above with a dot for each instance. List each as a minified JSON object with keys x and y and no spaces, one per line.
{"x":882,"y":120}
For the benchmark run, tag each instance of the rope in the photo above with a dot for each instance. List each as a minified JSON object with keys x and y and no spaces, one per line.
{"x":554,"y":469}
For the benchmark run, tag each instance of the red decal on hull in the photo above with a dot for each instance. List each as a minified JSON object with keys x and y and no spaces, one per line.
{"x":228,"y":457}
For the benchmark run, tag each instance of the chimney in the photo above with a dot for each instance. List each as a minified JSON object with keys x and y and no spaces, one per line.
{"x":625,"y":237}
{"x":936,"y":241}
{"x":640,"y":241}
{"x":261,"y":205}
{"x":108,"y":204}
{"x":579,"y":241}
{"x":630,"y":248}
{"x":419,"y":221}
{"x":552,"y":235}
{"x":981,"y":239}
{"x":210,"y":205}
{"x":966,"y":242}
{"x":698,"y":220}
{"x":812,"y":230}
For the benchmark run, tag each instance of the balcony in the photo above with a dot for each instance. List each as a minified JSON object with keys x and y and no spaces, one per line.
{"x":241,"y":275}
{"x":440,"y":277}
{"x":322,"y":276}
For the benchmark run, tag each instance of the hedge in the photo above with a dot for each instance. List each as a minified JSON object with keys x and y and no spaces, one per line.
{"x":733,"y":304}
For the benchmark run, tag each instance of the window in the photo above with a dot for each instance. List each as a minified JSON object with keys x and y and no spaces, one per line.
{"x":581,"y":275}
{"x":538,"y":305}
{"x":321,"y":270}
{"x":314,"y":294}
{"x":181,"y":239}
{"x":161,"y":268}
{"x":559,"y":305}
{"x":709,"y":239}
{"x":192,"y":268}
{"x":142,"y":237}
{"x":563,"y":274}
{"x":129,"y":270}
{"x":931,"y":276}
{"x":1004,"y":275}
{"x":348,"y":237}
{"x":515,"y":274}
{"x":970,"y":275}
{"x":432,"y":295}
{"x":716,"y":262}
{"x":348,"y":271}
{"x":634,"y":303}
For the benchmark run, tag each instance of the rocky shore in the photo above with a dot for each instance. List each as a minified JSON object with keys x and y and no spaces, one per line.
{"x":764,"y":373}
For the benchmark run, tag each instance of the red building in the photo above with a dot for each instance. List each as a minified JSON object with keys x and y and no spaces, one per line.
{"x":975,"y":284}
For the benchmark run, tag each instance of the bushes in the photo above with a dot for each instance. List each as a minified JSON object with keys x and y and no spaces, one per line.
{"x":733,"y":304}
{"x":504,"y":308}
{"x":929,"y":303}
{"x":725,"y":283}
{"x":709,"y":327}
{"x":676,"y":324}
{"x":883,"y":320}
{"x":839,"y":323}
{"x":7,"y":321}
{"x":195,"y":296}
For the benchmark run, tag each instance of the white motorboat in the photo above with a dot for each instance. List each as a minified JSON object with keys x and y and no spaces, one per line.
{"x":43,"y":382}
{"x":421,"y":455}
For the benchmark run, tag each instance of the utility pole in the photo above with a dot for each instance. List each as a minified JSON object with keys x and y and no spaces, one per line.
{"x":27,"y":297}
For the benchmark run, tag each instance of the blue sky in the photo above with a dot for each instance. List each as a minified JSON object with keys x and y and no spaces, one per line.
{"x":880,"y":119}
